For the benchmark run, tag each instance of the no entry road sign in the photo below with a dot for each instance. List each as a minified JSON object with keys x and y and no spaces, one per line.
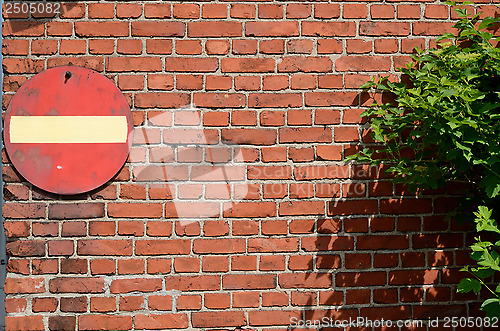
{"x":68,"y":130}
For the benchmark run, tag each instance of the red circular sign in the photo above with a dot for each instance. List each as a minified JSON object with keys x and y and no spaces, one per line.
{"x":68,"y":130}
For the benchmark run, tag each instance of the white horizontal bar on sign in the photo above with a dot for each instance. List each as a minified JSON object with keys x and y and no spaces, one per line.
{"x":68,"y":129}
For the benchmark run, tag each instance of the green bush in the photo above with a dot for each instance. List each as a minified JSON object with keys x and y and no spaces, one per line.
{"x":442,"y":126}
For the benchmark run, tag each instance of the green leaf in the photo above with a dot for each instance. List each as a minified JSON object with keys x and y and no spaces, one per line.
{"x":491,"y":307}
{"x":469,"y":284}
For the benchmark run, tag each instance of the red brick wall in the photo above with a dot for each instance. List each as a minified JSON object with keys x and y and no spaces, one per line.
{"x":247,"y":109}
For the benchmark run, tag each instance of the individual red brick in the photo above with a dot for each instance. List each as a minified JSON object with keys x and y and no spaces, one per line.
{"x":101,"y":46}
{"x":189,"y":82}
{"x":305,"y":64}
{"x":271,"y":262}
{"x":186,"y":264}
{"x":244,"y":263}
{"x":24,"y":285}
{"x":275,"y":83}
{"x":110,"y":322}
{"x":214,"y":10}
{"x":216,"y":228}
{"x":161,"y":247}
{"x":101,"y":10}
{"x":193,"y":283}
{"x":26,"y":248}
{"x":303,"y":82}
{"x":130,"y":82}
{"x":243,"y":11}
{"x":278,"y":100}
{"x":158,"y":29}
{"x":62,"y":322}
{"x":17,"y":229}
{"x":102,"y":304}
{"x":324,"y":10}
{"x":104,"y":247}
{"x":329,"y":152}
{"x":215,"y":264}
{"x":160,"y":302}
{"x":76,"y":285}
{"x":76,"y":210}
{"x":384,"y":29}
{"x":273,"y":154}
{"x":102,"y":266}
{"x":24,"y":323}
{"x":382,"y":242}
{"x":130,"y":10}
{"x":218,"y":246}
{"x":157,"y":10}
{"x":45,"y":48}
{"x":217,"y":300}
{"x":363,"y":63}
{"x":15,"y":305}
{"x":219,"y":47}
{"x":300,"y":46}
{"x":191,"y":65}
{"x":158,"y":46}
{"x":249,"y":136}
{"x":304,"y":298}
{"x":382,"y":11}
{"x":329,"y":46}
{"x":386,"y":46}
{"x":186,"y":10}
{"x":272,"y":46}
{"x":276,"y":299}
{"x":74,"y":266}
{"x":102,"y":228}
{"x":244,"y":117}
{"x":270,"y":11}
{"x":214,"y":29}
{"x":218,"y":319}
{"x":135,"y":285}
{"x":159,"y":228}
{"x":328,"y":29}
{"x":16,"y":47}
{"x":298,"y":10}
{"x":301,"y":208}
{"x":281,"y":317}
{"x":132,"y":266}
{"x":355,"y":11}
{"x":243,"y":46}
{"x":161,"y":322}
{"x":158,"y":266}
{"x":359,"y":46}
{"x":101,"y":29}
{"x":300,"y":262}
{"x":23,"y":29}
{"x":44,"y":266}
{"x":300,"y":135}
{"x":238,"y":282}
{"x":436,"y":11}
{"x":272,"y":29}
{"x":245,"y":299}
{"x":129,"y":46}
{"x":431,"y":28}
{"x":398,"y":277}
{"x":135,"y":210}
{"x":59,"y":28}
{"x":408,"y":11}
{"x":131,"y":303}
{"x":188,"y":47}
{"x":23,"y":211}
{"x":78,"y":304}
